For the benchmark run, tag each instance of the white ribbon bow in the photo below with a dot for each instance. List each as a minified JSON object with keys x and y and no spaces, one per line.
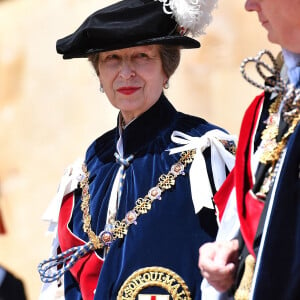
{"x":200,"y":185}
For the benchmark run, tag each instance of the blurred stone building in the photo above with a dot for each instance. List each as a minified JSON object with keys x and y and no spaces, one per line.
{"x":51,"y":109}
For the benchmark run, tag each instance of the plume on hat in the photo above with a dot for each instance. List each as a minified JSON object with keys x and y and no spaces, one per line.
{"x":193,"y":16}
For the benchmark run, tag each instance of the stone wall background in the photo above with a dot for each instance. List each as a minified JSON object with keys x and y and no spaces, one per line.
{"x":51,"y":109}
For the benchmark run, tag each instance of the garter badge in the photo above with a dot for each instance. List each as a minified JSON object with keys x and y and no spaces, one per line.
{"x":134,"y":288}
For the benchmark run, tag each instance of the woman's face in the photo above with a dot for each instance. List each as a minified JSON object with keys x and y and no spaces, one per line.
{"x":281,"y":18}
{"x":132,"y":78}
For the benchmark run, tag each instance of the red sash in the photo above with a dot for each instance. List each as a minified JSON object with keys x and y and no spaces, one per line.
{"x":87,"y":269}
{"x":248,"y":206}
{"x":223,"y":194}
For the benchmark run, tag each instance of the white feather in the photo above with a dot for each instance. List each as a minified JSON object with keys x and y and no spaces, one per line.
{"x":193,"y":15}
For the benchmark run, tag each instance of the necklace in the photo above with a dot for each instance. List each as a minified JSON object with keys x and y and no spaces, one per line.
{"x":119,"y":228}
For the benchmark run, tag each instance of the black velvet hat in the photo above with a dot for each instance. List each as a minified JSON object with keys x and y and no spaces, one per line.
{"x":127,"y":23}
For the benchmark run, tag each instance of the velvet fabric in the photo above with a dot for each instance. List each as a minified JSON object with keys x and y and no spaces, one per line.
{"x":248,"y":206}
{"x":278,"y":272}
{"x":170,"y":234}
{"x":278,"y":275}
{"x":11,"y":288}
{"x":124,"y":24}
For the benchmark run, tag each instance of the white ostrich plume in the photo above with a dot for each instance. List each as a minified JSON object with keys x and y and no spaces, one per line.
{"x":192,"y":15}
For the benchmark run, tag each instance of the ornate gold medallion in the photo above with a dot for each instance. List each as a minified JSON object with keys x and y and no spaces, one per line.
{"x":164,"y":278}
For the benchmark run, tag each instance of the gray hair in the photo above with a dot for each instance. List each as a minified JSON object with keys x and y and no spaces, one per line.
{"x":169,"y":55}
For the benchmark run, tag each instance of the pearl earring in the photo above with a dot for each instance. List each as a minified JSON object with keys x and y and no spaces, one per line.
{"x":166,"y":85}
{"x":101,"y":88}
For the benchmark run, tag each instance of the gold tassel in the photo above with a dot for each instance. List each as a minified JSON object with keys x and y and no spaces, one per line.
{"x":243,"y":291}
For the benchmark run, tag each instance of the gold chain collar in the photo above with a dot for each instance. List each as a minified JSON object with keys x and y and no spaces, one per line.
{"x":272,"y":149}
{"x":270,"y":133}
{"x":142,"y":205}
{"x":287,"y":93}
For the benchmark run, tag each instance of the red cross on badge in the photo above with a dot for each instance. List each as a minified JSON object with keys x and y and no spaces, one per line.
{"x":153,"y":297}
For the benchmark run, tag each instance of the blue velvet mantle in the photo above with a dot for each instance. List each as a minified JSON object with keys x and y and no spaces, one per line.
{"x":170,"y":234}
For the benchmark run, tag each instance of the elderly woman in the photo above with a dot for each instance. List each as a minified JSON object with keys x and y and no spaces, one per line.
{"x":136,"y":210}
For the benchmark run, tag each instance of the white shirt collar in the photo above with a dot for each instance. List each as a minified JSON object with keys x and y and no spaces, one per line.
{"x":292,"y":62}
{"x":291,"y":59}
